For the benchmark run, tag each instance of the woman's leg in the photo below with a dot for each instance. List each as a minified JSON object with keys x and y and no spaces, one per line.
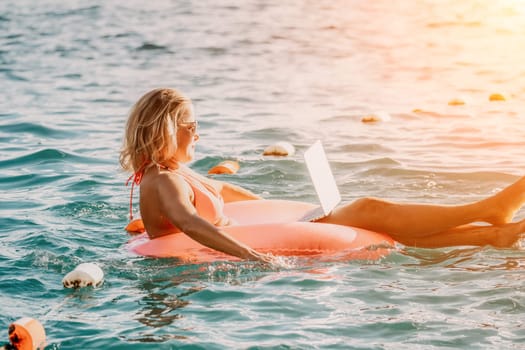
{"x":502,"y":236}
{"x":420,"y":220}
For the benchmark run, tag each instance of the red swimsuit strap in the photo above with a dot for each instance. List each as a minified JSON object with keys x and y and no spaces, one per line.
{"x":135,"y":179}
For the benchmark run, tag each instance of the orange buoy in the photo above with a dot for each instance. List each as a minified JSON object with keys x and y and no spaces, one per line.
{"x":456,"y":102}
{"x":496,"y":97}
{"x":27,"y":334}
{"x":135,"y":226}
{"x":369,"y":119}
{"x":379,"y":116}
{"x":225,"y":167}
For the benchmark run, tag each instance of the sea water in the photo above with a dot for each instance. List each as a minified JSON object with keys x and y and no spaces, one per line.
{"x":261,"y":72}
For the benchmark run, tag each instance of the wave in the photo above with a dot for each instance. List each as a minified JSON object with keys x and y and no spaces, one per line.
{"x":151,"y":47}
{"x":45,"y":156}
{"x":37,"y":130}
{"x":82,"y":11}
{"x":481,"y":176}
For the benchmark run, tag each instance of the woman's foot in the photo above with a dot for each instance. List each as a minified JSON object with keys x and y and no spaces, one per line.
{"x":503,"y":205}
{"x":509,"y":235}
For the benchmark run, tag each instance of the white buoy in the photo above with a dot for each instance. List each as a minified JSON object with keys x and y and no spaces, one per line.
{"x":85,"y":274}
{"x":280,"y":148}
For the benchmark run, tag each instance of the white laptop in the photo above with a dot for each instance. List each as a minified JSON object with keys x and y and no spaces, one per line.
{"x":323,"y":180}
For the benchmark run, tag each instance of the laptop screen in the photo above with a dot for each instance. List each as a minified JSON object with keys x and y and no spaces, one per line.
{"x":322,"y":177}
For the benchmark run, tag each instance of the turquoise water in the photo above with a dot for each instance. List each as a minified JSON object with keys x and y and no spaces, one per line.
{"x":260,"y":72}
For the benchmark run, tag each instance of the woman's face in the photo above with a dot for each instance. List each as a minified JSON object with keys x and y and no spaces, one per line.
{"x":186,"y":136}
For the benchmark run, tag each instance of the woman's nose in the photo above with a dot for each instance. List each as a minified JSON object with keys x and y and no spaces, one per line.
{"x":196,"y":137}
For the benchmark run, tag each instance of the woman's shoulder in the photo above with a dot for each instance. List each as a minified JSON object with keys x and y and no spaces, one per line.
{"x":166,"y":185}
{"x":163,"y":179}
{"x":170,"y":176}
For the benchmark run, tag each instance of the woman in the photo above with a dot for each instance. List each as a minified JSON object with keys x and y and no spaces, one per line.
{"x":160,"y":137}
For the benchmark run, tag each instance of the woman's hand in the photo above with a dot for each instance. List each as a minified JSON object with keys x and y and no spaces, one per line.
{"x":267,"y":258}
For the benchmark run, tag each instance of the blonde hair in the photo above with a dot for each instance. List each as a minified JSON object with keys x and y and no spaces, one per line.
{"x":152,"y":122}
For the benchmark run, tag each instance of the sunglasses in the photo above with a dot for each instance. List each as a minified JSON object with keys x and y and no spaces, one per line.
{"x":191,"y":126}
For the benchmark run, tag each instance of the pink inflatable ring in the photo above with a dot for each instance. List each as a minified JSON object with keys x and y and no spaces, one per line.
{"x":271,"y":226}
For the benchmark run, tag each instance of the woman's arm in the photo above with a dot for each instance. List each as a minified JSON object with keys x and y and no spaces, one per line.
{"x":234,"y":193}
{"x":228,"y":191}
{"x":174,"y":195}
